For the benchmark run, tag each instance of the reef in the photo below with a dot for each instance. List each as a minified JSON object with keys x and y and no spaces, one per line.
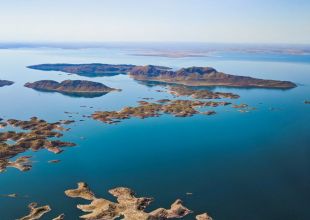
{"x":5,"y":83}
{"x":81,"y":88}
{"x":200,"y":93}
{"x":36,"y":212}
{"x":191,"y":76}
{"x":128,"y":206}
{"x":36,"y":135}
{"x":178,"y":108}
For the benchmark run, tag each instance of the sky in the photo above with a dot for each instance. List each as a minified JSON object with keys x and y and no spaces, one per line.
{"x":228,"y":21}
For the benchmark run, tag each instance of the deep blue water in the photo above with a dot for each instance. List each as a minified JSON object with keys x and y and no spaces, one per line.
{"x":239,"y":166}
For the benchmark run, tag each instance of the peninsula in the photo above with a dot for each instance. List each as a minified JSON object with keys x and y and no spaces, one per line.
{"x":5,"y":83}
{"x":191,"y":76}
{"x":73,"y":87}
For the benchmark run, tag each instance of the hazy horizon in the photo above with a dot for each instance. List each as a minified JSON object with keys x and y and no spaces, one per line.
{"x":255,"y":22}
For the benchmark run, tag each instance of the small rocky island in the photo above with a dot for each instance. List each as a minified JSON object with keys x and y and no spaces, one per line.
{"x":35,"y":135}
{"x":191,"y":76}
{"x":177,"y":108}
{"x":5,"y":83}
{"x":72,"y":87}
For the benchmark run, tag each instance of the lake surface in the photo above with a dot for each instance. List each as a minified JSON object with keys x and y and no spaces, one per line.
{"x":238,"y":166}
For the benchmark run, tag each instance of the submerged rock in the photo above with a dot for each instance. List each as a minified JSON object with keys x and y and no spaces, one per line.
{"x":240,"y":106}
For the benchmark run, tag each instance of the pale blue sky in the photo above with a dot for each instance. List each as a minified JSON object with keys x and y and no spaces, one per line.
{"x":251,"y":21}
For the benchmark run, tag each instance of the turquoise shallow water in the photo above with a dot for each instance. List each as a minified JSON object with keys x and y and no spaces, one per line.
{"x":238,"y":166}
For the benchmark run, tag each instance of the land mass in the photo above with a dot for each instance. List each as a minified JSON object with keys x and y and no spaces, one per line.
{"x":191,"y":76}
{"x":203,"y":76}
{"x":72,"y":87}
{"x":89,"y":70}
{"x":5,"y":83}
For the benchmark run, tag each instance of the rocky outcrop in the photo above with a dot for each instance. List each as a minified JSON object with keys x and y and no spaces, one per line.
{"x":21,"y":163}
{"x":36,"y":136}
{"x":60,"y":217}
{"x":200,"y":93}
{"x":36,"y":212}
{"x":5,"y":83}
{"x":203,"y":216}
{"x":79,"y":87}
{"x":128,"y":206}
{"x":178,"y":108}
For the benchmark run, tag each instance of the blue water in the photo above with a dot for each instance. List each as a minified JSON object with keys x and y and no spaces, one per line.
{"x":239,"y":166}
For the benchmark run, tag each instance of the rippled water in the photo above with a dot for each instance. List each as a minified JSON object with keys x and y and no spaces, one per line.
{"x":239,"y":166}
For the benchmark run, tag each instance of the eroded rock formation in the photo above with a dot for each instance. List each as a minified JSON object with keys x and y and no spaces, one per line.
{"x":36,"y":212}
{"x":200,"y":93}
{"x":128,"y":206}
{"x":178,"y":108}
{"x":36,"y":136}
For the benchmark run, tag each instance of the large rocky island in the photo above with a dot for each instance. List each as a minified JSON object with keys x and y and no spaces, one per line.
{"x":5,"y":83}
{"x":192,"y":76}
{"x":89,"y":70}
{"x":72,"y":87}
{"x":203,"y":76}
